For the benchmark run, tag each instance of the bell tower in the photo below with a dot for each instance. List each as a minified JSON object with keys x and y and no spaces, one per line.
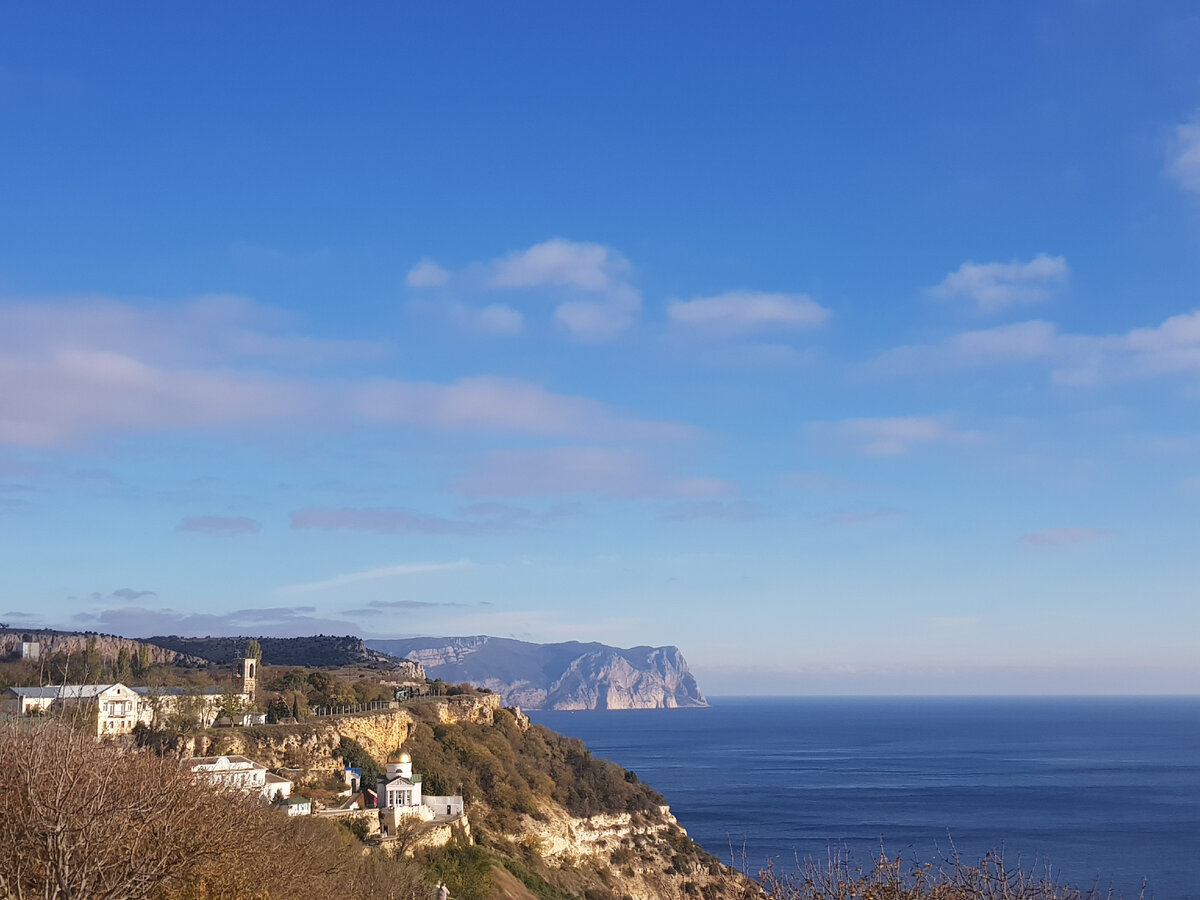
{"x":245,"y":675}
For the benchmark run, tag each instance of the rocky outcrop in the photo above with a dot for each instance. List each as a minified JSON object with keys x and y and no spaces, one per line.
{"x":311,"y":744}
{"x":569,"y":675}
{"x":649,"y":856}
{"x":315,"y":650}
{"x":106,"y":646}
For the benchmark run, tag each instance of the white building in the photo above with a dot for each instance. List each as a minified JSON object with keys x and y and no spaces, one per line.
{"x":119,"y":708}
{"x":401,"y":797}
{"x":115,"y":707}
{"x":297,"y":806}
{"x":239,"y":773}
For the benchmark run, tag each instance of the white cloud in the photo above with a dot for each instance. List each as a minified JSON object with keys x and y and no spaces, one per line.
{"x":383,"y":521}
{"x":897,"y":435}
{"x":997,"y":286}
{"x":397,"y":571}
{"x":503,"y":405}
{"x":1078,"y":360}
{"x":607,"y":471}
{"x":1058,"y":537}
{"x":494,"y":318}
{"x":562,"y":263}
{"x":861,"y":516}
{"x":426,"y":274}
{"x":590,"y":284}
{"x":743,"y":311}
{"x":1184,"y":164}
{"x":83,"y":367}
{"x":1018,"y":342}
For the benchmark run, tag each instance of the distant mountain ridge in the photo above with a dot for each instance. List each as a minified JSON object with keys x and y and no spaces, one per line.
{"x":569,"y":675}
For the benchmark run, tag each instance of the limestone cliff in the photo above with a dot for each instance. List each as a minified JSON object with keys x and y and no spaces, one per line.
{"x":311,"y":744}
{"x":568,"y":675}
{"x":315,"y":650}
{"x":107,"y":646}
{"x":649,"y":856}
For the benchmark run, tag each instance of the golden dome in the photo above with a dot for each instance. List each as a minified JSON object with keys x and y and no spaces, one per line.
{"x":399,"y":756}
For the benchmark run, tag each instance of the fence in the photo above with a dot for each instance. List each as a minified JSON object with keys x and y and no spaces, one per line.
{"x":373,"y":706}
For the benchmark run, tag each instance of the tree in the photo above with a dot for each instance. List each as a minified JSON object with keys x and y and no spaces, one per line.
{"x":254,"y":651}
{"x":93,"y":661}
{"x":142,"y":661}
{"x":124,"y":670}
{"x":82,"y":818}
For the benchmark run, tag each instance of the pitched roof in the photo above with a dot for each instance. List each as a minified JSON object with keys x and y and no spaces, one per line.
{"x":73,"y":691}
{"x":233,"y":759}
{"x":50,"y":691}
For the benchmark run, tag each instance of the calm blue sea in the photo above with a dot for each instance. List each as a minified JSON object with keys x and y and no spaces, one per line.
{"x":1107,"y":790}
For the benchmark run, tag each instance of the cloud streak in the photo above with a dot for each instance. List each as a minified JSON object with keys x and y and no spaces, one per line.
{"x":897,"y":435}
{"x":398,"y":571}
{"x":80,"y":368}
{"x":997,"y":286}
{"x":1074,"y":360}
{"x":738,"y":312}
{"x":1061,"y":537}
{"x":219,"y":525}
{"x":381,"y":521}
{"x":1184,"y":162}
{"x":607,"y":471}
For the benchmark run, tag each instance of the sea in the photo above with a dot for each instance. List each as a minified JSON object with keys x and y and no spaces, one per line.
{"x":1103,"y":791}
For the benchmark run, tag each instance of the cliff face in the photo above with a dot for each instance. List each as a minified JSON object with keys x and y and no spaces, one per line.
{"x":316,"y":650}
{"x":649,"y":856}
{"x":108,"y":646}
{"x":569,"y":675}
{"x":311,"y":744}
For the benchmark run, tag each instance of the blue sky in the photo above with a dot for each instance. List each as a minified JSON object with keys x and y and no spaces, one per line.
{"x":851,"y":348}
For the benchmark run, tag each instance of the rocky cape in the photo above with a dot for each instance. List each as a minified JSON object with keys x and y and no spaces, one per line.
{"x":568,"y":675}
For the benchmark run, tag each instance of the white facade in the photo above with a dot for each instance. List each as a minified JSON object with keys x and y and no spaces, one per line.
{"x":239,"y":773}
{"x":119,"y":708}
{"x":115,"y":706}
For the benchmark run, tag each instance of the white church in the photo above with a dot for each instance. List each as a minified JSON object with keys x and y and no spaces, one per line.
{"x":401,"y":797}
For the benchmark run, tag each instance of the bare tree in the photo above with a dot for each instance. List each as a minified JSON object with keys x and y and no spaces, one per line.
{"x":82,"y":817}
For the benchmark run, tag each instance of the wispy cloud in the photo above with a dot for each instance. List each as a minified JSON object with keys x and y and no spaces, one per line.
{"x":97,"y":366}
{"x":505,"y":405}
{"x":219,"y":525}
{"x":997,"y":286}
{"x":1058,"y":537}
{"x":1005,"y":344}
{"x":495,"y":318}
{"x":382,"y":521}
{"x":811,"y":480}
{"x":426,"y":274}
{"x":1184,"y":155}
{"x":398,"y":571}
{"x":140,"y":622}
{"x":376,"y":607}
{"x":715,"y":510}
{"x":607,"y":471}
{"x":893,"y":436}
{"x":861,"y":516}
{"x":738,"y":312}
{"x":1074,"y":360}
